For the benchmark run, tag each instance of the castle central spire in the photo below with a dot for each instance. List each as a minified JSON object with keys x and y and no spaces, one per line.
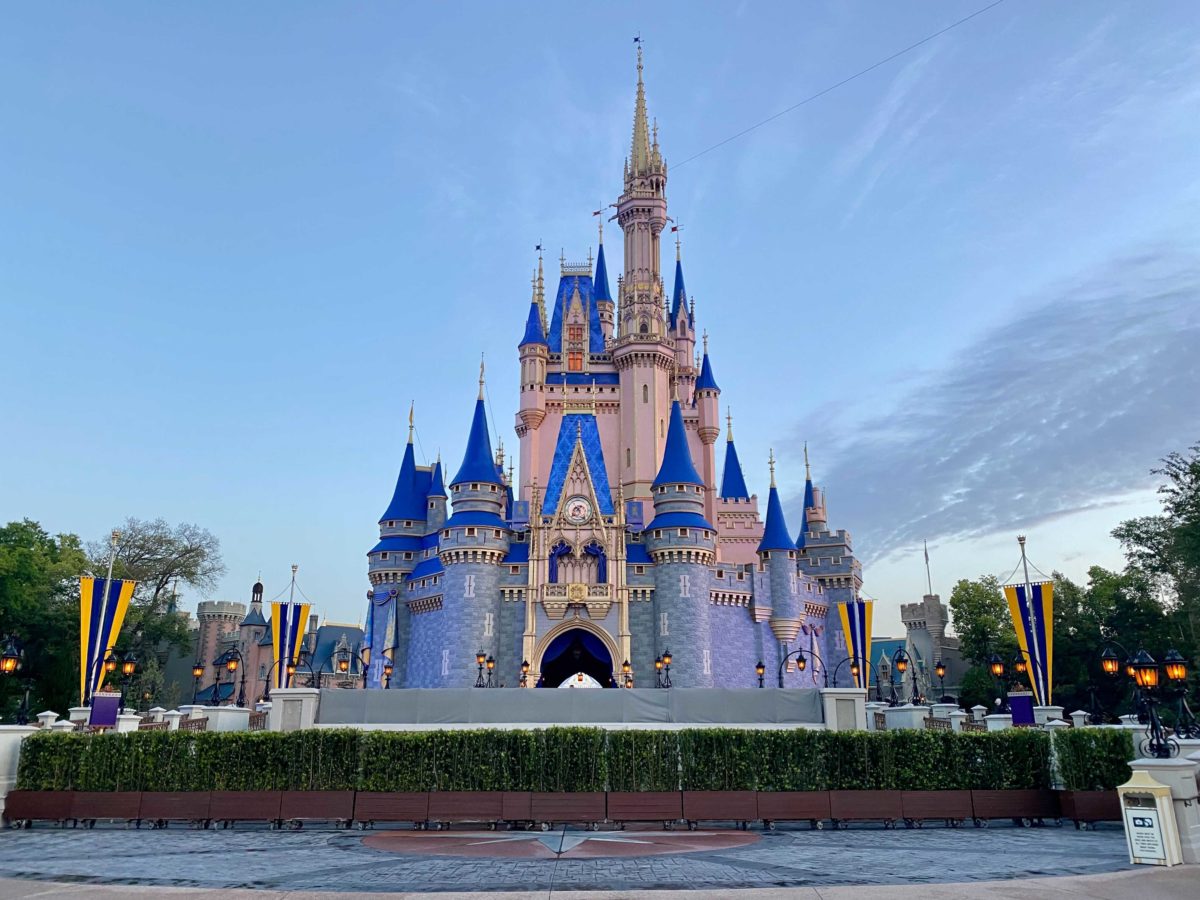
{"x":639,"y":156}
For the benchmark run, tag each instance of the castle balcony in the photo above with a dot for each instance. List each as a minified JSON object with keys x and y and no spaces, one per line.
{"x":556,"y":599}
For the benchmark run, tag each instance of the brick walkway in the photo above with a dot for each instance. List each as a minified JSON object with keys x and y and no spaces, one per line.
{"x":341,"y":861}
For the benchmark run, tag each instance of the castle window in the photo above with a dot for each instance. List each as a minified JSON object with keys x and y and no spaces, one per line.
{"x":431,"y":504}
{"x":494,"y":489}
{"x":408,"y":554}
{"x":662,"y":428}
{"x":446,"y":533}
{"x":628,"y":457}
{"x":408,"y":523}
{"x":391,"y":523}
{"x":644,"y":328}
{"x":496,"y":533}
{"x":470,"y":532}
{"x":575,"y":361}
{"x":720,"y":573}
{"x":639,"y":570}
{"x":575,"y":333}
{"x":645,"y":393}
{"x":657,"y":533}
{"x":683,"y":532}
{"x":514,"y":570}
{"x":383,"y":555}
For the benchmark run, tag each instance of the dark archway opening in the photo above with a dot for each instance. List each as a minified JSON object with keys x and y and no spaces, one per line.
{"x":576,"y":651}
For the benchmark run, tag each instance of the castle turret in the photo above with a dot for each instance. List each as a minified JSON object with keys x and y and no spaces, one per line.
{"x":681,"y":325}
{"x":604,"y":301}
{"x":707,"y":397}
{"x":535,"y":355}
{"x":474,"y":541}
{"x":733,"y":482}
{"x":403,"y":522}
{"x":777,"y":555}
{"x":682,"y":544}
{"x":436,"y":499}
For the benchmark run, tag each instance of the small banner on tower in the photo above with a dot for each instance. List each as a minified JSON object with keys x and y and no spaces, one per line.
{"x":287,"y":633}
{"x":1033,"y":619}
{"x":856,"y":625}
{"x":102,"y":607}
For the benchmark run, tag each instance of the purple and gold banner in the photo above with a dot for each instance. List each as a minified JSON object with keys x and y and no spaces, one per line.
{"x":102,"y":608}
{"x":1033,"y":620}
{"x":856,"y":625}
{"x":287,"y":634}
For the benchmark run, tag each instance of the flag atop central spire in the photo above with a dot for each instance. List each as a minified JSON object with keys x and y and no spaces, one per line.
{"x":639,"y":156}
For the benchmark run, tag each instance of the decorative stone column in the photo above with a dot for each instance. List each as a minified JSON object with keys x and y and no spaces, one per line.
{"x":1043,"y":714}
{"x":1079,"y":718}
{"x":978,"y":711}
{"x":172,"y":717}
{"x":943,"y":710}
{"x":47,"y":718}
{"x":11,"y":737}
{"x":906,"y":716}
{"x":63,"y":726}
{"x":871,"y":708}
{"x":998,"y":721}
{"x":293,"y":709}
{"x":956,"y":720}
{"x":156,"y":714}
{"x":845,"y":709}
{"x":79,"y":713}
{"x":128,"y":722}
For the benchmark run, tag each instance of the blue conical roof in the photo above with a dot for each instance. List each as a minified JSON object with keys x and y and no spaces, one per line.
{"x":478,"y":464}
{"x":803,"y":530}
{"x":408,"y":502}
{"x":533,"y":327}
{"x":775,"y":532}
{"x":437,"y":488}
{"x":600,"y":281}
{"x":677,"y":466}
{"x":808,"y":504}
{"x":678,"y":295}
{"x":733,"y":483}
{"x":706,"y":380}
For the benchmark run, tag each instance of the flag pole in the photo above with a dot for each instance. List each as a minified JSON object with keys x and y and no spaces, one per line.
{"x":1033,"y":618}
{"x":928,"y":577}
{"x":114,"y":538}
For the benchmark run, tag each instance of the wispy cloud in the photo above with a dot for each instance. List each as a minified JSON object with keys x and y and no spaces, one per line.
{"x":1062,"y":409}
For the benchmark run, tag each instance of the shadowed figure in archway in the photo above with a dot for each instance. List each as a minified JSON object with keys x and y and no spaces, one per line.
{"x":576,"y":651}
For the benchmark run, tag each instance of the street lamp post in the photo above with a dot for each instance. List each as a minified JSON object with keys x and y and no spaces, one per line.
{"x":231,"y":659}
{"x":939,"y":669}
{"x":344,"y":657}
{"x":1186,"y":725}
{"x":11,"y":659}
{"x":662,"y":670}
{"x":128,"y":668}
{"x":997,"y":668}
{"x":197,"y":674}
{"x":524,"y":673}
{"x":1158,"y":743}
{"x":801,"y":664}
{"x":626,"y":674}
{"x":481,"y":661}
{"x":900,"y":664}
{"x":759,"y":670}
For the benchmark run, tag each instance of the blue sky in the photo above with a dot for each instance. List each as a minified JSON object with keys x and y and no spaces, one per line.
{"x":236,"y":241}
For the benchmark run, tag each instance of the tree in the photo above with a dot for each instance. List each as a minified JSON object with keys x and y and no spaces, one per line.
{"x":39,"y":605}
{"x":981,"y":620}
{"x":1165,"y":549}
{"x":159,"y":557}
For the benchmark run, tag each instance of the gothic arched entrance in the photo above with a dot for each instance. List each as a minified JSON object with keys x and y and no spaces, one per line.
{"x":576,"y":650}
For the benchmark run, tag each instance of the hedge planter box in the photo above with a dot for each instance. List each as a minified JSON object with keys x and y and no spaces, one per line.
{"x":1022,"y":804}
{"x":1090,"y":806}
{"x":30,"y":806}
{"x":165,"y":806}
{"x":516,"y":806}
{"x":953,"y":806}
{"x":466,"y":806}
{"x":245,"y":806}
{"x":720,"y":806}
{"x":568,"y":807}
{"x":793,"y":806}
{"x":335,"y":806}
{"x":91,"y":806}
{"x":865,"y":806}
{"x":391,"y":806}
{"x":645,"y":806}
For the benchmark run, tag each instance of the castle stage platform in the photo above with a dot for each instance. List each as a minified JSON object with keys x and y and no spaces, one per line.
{"x":419,"y":709}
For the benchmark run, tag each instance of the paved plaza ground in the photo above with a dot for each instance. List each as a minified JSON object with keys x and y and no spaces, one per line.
{"x":628,"y":863}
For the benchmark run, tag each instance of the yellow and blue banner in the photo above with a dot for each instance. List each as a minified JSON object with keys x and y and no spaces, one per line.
{"x":1032,"y":613}
{"x":287,"y":637}
{"x":102,"y":607}
{"x":856,"y":625}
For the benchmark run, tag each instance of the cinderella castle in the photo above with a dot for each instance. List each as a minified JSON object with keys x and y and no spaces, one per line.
{"x":618,"y":546}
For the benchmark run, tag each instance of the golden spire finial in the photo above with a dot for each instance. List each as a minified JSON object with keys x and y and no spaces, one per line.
{"x":601,"y":224}
{"x":411,"y":406}
{"x":705,"y":333}
{"x":807,"y":470}
{"x":678,"y":242}
{"x":510,"y":472}
{"x":771,"y":463}
{"x":729,"y":424}
{"x":640,"y":156}
{"x":481,"y":376}
{"x":593,"y":392}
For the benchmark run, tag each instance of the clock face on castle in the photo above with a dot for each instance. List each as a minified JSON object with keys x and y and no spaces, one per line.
{"x":578,"y":510}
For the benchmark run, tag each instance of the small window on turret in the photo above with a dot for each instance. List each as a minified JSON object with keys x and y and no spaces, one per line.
{"x":657,"y":534}
{"x":408,"y":554}
{"x":470,"y":532}
{"x":474,"y":487}
{"x":514,"y":570}
{"x":496,"y":533}
{"x":493,"y":487}
{"x":683,"y":532}
{"x":383,"y":555}
{"x":391,"y":523}
{"x":408,"y":523}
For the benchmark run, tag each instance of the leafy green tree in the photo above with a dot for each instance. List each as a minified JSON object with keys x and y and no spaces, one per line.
{"x":981,"y":620}
{"x":39,"y":605}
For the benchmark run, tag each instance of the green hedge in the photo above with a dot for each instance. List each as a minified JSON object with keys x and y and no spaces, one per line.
{"x":563,"y":759}
{"x":1093,"y":759}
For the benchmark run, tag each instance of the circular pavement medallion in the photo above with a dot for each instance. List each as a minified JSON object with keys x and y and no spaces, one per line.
{"x":564,"y":844}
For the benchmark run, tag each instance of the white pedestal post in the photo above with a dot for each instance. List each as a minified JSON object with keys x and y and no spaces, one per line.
{"x":845,"y":709}
{"x":943,"y":710}
{"x":998,"y":721}
{"x":906,"y":716}
{"x":128,"y":722}
{"x":1179,"y":774}
{"x":978,"y":711}
{"x":172,"y":717}
{"x":79,"y":714}
{"x":47,"y":718}
{"x":1079,"y":718}
{"x":11,"y":737}
{"x":956,"y":720}
{"x":228,"y":718}
{"x":1043,"y":714}
{"x":293,"y":709}
{"x":871,"y":708}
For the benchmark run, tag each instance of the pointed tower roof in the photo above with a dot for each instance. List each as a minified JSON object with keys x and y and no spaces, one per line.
{"x":677,"y":466}
{"x":808,"y":500}
{"x":733,"y":483}
{"x":706,"y":382}
{"x":600,"y":280}
{"x":775,"y":531}
{"x":639,"y":157}
{"x":408,"y":500}
{"x":679,"y":294}
{"x":533,"y":323}
{"x":436,"y":487}
{"x":478,"y":463}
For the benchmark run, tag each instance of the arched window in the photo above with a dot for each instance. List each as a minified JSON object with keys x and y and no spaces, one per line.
{"x":644,"y":328}
{"x":662,"y":429}
{"x":628,"y":457}
{"x":645,"y":393}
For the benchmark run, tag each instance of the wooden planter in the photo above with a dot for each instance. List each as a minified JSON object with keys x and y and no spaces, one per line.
{"x":865,"y":806}
{"x":335,"y":806}
{"x":1022,"y":805}
{"x":720,"y":806}
{"x":91,"y":806}
{"x":1090,"y":806}
{"x":31,"y":806}
{"x":391,"y":806}
{"x":466,"y":806}
{"x":645,"y":806}
{"x":953,"y":806}
{"x":794,"y":806}
{"x":516,"y":806}
{"x":586,"y":808}
{"x":245,"y":806}
{"x":161,"y":807}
